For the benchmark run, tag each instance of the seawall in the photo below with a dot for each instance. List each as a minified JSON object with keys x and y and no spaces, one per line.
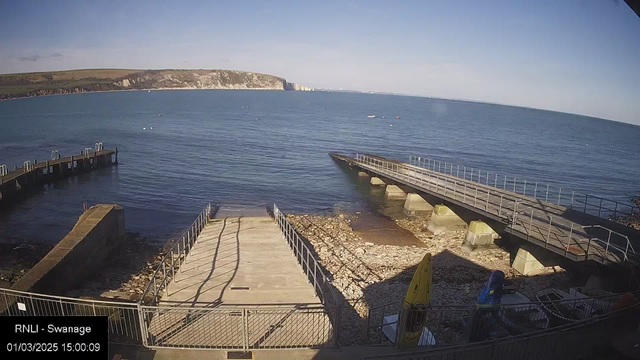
{"x":79,"y":254}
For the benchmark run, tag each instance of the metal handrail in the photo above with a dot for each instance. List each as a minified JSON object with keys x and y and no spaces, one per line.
{"x":310,"y":265}
{"x":320,"y":280}
{"x":590,"y":307}
{"x":629,"y":245}
{"x":494,"y":181}
{"x":177,"y":255}
{"x":459,"y":350}
{"x":508,"y":210}
{"x":122,"y":317}
{"x":59,"y":298}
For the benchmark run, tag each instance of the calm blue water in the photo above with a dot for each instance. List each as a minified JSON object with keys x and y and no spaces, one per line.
{"x":258,"y":147}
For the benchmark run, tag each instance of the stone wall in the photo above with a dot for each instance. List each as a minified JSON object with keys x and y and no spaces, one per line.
{"x":98,"y":232}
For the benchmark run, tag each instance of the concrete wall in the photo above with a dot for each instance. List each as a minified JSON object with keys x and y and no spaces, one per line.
{"x":78,"y":255}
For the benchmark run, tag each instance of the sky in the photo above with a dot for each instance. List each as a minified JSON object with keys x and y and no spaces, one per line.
{"x":576,"y":56}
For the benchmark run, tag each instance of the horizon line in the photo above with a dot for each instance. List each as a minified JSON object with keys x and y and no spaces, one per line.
{"x":330,"y":89}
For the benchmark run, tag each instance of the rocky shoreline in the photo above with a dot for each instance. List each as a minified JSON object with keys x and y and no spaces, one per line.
{"x":126,"y":273}
{"x":368,"y":275}
{"x":16,"y":259}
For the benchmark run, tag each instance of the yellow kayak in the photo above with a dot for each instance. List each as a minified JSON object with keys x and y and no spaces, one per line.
{"x":419,"y":293}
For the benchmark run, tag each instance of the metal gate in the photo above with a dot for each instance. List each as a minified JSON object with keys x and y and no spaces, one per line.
{"x":237,"y":327}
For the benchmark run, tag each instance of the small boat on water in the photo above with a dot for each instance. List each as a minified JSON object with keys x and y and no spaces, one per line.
{"x":397,"y":117}
{"x":371,"y":116}
{"x":559,"y":305}
{"x":519,"y":316}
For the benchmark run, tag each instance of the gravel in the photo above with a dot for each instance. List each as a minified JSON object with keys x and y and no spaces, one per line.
{"x":369,"y":275}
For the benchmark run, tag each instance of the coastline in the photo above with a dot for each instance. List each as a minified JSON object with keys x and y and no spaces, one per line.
{"x":133,"y":90}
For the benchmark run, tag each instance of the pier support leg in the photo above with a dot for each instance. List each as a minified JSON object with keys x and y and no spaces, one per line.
{"x":376,"y":181}
{"x":478,"y":234}
{"x":393,"y":192}
{"x":526,"y":264}
{"x":416,"y":205}
{"x":444,"y":219}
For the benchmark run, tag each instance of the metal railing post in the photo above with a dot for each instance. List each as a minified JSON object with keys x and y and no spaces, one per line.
{"x":164,"y":272}
{"x":495,"y":183}
{"x":573,"y":193}
{"x":486,"y":206}
{"x":569,"y":243}
{"x":549,"y":230}
{"x":514,"y":184}
{"x":464,"y":197}
{"x":245,"y":330}
{"x":559,"y":194}
{"x":546,"y":198}
{"x":626,"y":249}
{"x":184,"y":250}
{"x":464,"y":173}
{"x":586,"y":199}
{"x":600,"y":207}
{"x":530,"y":223}
{"x":475,"y":198}
{"x":155,"y":289}
{"x":458,"y":172}
{"x":173,"y":267}
{"x":524,"y":192}
{"x":504,"y":186}
{"x":535,"y":190}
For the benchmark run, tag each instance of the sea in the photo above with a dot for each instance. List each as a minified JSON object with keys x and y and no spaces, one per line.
{"x":180,"y":150}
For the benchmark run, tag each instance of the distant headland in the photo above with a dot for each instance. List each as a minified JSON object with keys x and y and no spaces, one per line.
{"x":88,"y":80}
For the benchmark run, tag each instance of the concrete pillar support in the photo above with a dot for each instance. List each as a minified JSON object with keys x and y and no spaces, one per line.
{"x":479,"y":233}
{"x":362,"y":174}
{"x":526,"y":264}
{"x":444,"y":219}
{"x":377,"y":181}
{"x":415,"y":205}
{"x":393,"y":192}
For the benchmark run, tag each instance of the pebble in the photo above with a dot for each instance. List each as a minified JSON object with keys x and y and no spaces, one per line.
{"x":370,"y":275}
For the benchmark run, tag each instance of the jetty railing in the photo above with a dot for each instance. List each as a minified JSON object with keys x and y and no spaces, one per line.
{"x":586,"y":203}
{"x":236,"y":326}
{"x":310,"y":265}
{"x":313,"y":270}
{"x":123,"y":317}
{"x":456,"y":324}
{"x":570,"y":341}
{"x":536,"y":222}
{"x":173,"y":259}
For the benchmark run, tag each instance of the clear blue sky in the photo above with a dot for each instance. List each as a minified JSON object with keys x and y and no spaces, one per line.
{"x":578,"y":56}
